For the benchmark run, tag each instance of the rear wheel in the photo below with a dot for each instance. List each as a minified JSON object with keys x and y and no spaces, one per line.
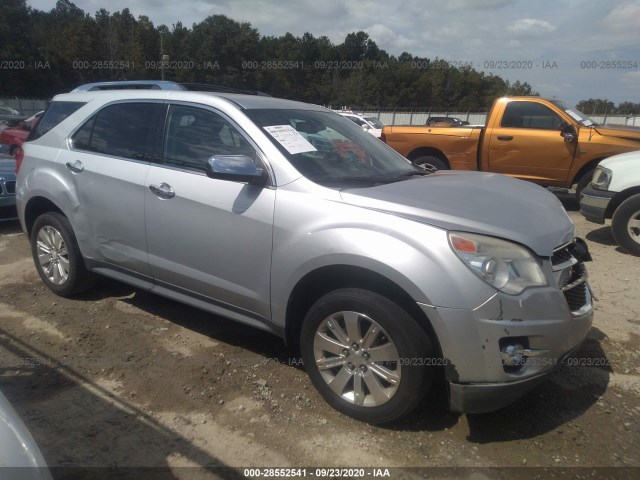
{"x":431,"y":162}
{"x":625,"y":225}
{"x":57,"y":256}
{"x":366,"y":355}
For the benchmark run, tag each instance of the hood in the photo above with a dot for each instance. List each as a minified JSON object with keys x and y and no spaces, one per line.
{"x":486,"y":203}
{"x":622,"y":131}
{"x":621,"y":159}
{"x":7,"y":167}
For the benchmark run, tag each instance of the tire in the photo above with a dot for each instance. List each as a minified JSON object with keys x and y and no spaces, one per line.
{"x":57,"y":256}
{"x":432,"y":161}
{"x":338,"y":345}
{"x":584,"y":181}
{"x":625,"y":225}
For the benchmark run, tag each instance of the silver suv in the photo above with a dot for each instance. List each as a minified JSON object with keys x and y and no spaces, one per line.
{"x":288,"y":217}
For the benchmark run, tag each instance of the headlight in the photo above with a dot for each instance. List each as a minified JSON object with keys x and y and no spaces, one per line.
{"x":505,"y":265}
{"x":601,"y":178}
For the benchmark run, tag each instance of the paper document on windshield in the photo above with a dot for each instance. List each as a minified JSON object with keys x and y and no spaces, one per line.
{"x":290,"y":139}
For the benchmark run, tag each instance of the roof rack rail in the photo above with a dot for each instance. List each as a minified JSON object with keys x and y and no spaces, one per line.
{"x":208,"y":87}
{"x":162,"y":85}
{"x":129,"y":85}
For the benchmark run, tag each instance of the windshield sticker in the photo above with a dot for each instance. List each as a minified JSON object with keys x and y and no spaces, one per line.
{"x":574,"y":115}
{"x":290,"y":139}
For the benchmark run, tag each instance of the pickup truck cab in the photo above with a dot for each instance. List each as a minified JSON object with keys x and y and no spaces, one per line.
{"x":614,"y":193}
{"x":545,"y":141}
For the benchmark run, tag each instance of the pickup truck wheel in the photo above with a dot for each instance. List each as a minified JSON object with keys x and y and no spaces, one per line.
{"x":625,"y":225}
{"x":57,"y":256}
{"x":431,"y":161}
{"x":584,"y":181}
{"x":366,"y":355}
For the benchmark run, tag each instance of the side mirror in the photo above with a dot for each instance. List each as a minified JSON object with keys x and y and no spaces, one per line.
{"x":569,"y":133}
{"x":236,"y":168}
{"x":366,"y":127}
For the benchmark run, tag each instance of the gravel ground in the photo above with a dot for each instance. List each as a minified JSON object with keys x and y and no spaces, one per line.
{"x":122,"y":378}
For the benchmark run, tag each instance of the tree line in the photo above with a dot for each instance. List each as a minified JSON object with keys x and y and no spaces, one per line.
{"x":45,"y":53}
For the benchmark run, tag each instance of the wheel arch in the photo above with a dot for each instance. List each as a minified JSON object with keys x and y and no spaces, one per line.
{"x":423,"y":151}
{"x":322,"y":280}
{"x":619,"y":198}
{"x":35,"y":207}
{"x":586,"y":168}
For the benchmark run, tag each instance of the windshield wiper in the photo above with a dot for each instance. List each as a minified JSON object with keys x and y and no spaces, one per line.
{"x":413,"y":173}
{"x":341,"y":180}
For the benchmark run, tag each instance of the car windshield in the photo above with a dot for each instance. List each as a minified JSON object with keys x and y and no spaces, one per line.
{"x":374,"y":121}
{"x":331,"y":150}
{"x":574,"y":113}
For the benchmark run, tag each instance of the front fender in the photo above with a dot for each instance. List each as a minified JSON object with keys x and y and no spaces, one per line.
{"x":415,"y":256}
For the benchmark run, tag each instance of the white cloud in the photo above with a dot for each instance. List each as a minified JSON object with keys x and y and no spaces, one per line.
{"x":531,"y":27}
{"x":385,"y":38}
{"x":566,"y":31}
{"x":476,"y":4}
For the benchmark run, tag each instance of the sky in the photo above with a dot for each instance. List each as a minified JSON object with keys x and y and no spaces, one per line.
{"x":569,"y":49}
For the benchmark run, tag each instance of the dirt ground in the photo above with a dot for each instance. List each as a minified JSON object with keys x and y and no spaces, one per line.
{"x":122,"y":378}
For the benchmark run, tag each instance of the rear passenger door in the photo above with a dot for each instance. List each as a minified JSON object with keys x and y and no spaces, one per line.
{"x":107,"y":165}
{"x":208,"y":238}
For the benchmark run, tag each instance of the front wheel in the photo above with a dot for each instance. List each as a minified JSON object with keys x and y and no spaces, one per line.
{"x":366,"y":355}
{"x":431,"y":162}
{"x":625,"y":225}
{"x":57,"y":256}
{"x":583,"y":183}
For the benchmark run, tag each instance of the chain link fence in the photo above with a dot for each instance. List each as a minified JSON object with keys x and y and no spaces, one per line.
{"x":388,"y":116}
{"x":420,"y":116}
{"x":25,"y":106}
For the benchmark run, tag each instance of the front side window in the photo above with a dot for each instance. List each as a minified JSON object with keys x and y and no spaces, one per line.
{"x":530,"y":115}
{"x":193,"y":135}
{"x":122,"y":130}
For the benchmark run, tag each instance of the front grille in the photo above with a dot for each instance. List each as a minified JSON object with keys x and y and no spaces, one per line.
{"x":561,"y":256}
{"x":577,"y":297}
{"x":10,"y":187}
{"x":571,"y":277}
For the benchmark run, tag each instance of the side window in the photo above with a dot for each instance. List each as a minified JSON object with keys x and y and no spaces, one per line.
{"x":56,"y":113}
{"x":122,"y":130}
{"x":193,"y":135}
{"x":356,"y":120}
{"x":530,"y":115}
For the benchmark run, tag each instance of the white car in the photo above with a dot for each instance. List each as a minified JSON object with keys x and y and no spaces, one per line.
{"x":368,"y":124}
{"x":615,"y":193}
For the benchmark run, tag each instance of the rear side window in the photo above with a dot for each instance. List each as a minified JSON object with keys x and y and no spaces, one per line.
{"x":122,"y":130}
{"x":56,"y":113}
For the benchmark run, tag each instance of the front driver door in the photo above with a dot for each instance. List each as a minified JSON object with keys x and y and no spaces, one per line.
{"x":208,"y":238}
{"x":528,"y":145}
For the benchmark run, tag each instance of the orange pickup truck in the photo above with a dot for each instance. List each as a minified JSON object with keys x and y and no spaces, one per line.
{"x":541,"y":140}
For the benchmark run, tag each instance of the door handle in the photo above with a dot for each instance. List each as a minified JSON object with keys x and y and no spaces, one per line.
{"x":505,"y":137}
{"x":163,"y":190}
{"x":76,"y":167}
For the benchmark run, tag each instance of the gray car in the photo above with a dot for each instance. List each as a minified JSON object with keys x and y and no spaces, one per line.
{"x":289,"y":218}
{"x":20,"y":457}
